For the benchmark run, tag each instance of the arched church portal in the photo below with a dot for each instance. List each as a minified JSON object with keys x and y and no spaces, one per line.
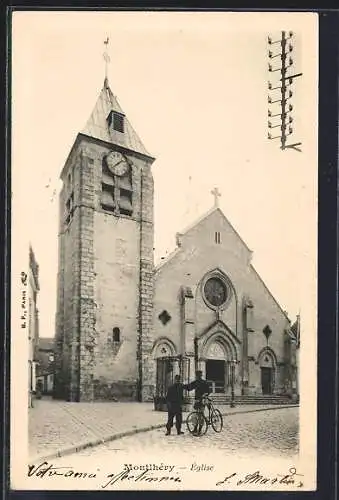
{"x":168,"y":364}
{"x":218,"y":355}
{"x":267,"y":368}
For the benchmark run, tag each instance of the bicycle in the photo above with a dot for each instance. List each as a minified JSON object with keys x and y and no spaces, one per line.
{"x":197,"y":422}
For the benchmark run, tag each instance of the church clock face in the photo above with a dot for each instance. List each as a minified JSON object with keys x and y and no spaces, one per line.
{"x":117,"y":163}
{"x":215,"y":292}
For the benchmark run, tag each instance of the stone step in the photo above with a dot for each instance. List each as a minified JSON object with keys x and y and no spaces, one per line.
{"x":251,"y":399}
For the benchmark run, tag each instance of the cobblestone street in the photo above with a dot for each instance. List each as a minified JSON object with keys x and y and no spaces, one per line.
{"x":251,"y":446}
{"x":266,"y":433}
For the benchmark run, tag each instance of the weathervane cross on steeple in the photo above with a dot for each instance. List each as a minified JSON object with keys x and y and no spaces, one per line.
{"x":216,"y":194}
{"x":106,"y":58}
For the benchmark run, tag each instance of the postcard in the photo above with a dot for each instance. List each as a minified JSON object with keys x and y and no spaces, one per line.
{"x":164,"y":251}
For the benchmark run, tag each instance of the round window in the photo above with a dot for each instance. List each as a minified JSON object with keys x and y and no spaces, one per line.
{"x":215,"y":291}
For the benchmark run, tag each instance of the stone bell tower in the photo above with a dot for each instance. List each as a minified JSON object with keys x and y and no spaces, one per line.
{"x":105,"y":275}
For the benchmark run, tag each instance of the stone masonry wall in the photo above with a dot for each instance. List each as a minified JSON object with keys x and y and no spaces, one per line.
{"x":111,"y":257}
{"x":146,"y":363}
{"x":66,"y":362}
{"x":86,"y":301}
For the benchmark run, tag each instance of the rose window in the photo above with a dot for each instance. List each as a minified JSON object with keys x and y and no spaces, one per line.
{"x":215,"y":292}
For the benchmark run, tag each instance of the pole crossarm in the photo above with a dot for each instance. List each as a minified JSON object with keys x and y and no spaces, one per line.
{"x":290,"y":77}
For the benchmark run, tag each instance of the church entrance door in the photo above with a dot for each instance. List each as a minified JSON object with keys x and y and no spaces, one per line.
{"x":215,"y":374}
{"x":266,"y":380}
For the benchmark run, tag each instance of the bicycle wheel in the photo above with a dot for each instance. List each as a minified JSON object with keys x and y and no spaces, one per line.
{"x":196,"y":424}
{"x":216,"y":420}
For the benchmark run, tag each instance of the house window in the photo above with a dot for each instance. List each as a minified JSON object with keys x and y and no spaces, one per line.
{"x":116,"y":334}
{"x":217,"y":238}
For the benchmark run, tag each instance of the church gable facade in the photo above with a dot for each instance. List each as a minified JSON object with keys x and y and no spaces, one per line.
{"x":211,"y":305}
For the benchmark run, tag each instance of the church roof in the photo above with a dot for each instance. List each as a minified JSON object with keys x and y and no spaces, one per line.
{"x":98,"y":128}
{"x":168,"y":258}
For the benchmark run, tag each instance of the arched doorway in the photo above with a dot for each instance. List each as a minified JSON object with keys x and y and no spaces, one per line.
{"x":267,"y":368}
{"x":220,"y":357}
{"x":216,"y":367}
{"x":218,"y":350}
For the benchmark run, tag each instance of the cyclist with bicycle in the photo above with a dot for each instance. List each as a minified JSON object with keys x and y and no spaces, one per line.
{"x":197,"y":422}
{"x":201,"y":387}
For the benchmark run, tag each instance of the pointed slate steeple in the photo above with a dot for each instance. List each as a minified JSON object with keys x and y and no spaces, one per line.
{"x":100,"y":125}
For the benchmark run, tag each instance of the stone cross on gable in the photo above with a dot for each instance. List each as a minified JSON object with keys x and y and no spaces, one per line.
{"x":216,"y":194}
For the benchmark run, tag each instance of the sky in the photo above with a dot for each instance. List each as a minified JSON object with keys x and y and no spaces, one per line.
{"x":195,"y":88}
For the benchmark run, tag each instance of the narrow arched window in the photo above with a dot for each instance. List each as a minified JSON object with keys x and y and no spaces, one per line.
{"x":116,"y":334}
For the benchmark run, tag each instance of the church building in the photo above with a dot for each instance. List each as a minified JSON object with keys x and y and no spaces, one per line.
{"x":124,"y":325}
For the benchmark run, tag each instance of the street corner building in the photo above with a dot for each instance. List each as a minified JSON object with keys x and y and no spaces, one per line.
{"x":120,"y":319}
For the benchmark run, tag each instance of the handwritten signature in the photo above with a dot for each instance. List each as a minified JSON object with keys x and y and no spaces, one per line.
{"x":291,"y":478}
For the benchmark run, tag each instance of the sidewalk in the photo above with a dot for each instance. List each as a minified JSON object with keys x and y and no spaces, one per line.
{"x":58,"y":428}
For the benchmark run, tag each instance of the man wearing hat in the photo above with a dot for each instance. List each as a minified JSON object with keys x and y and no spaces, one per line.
{"x":174,"y":400}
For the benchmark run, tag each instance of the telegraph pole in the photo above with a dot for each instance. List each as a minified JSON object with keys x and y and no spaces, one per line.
{"x":282,"y":118}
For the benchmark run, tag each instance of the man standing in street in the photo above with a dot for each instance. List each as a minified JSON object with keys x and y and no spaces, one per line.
{"x":201,"y":387}
{"x":175,"y":397}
